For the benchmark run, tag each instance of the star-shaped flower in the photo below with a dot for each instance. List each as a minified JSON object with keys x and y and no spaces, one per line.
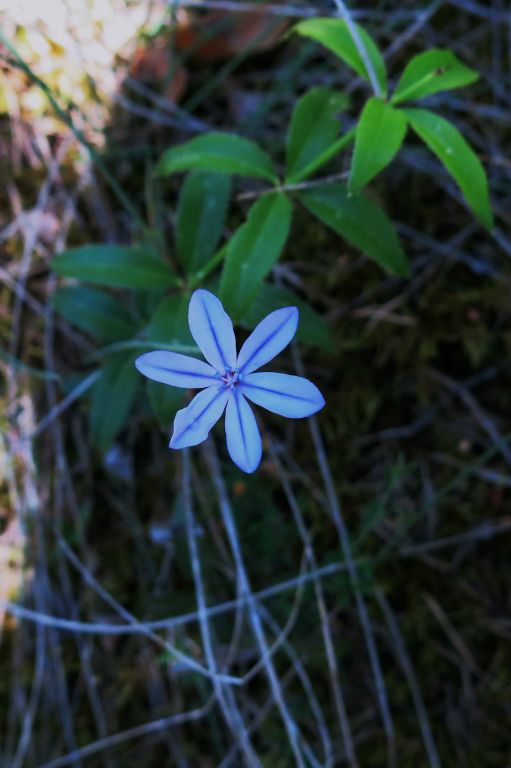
{"x":227,"y":380}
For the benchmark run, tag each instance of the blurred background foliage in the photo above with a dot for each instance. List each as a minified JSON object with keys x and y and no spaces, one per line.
{"x":415,"y":373}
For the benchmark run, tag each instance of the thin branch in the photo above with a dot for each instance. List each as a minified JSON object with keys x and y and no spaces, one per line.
{"x":253,"y":614}
{"x":479,"y":414}
{"x":252,"y":195}
{"x":225,"y":698}
{"x":64,"y":404}
{"x":359,"y":43}
{"x":143,"y":629}
{"x":138,"y":732}
{"x":322,"y":609}
{"x":365,"y":621}
{"x":403,"y":658}
{"x":480,"y":533}
{"x":31,"y":709}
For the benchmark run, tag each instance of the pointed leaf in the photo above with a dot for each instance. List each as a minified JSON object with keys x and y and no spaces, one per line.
{"x":203,"y":203}
{"x":145,"y":303}
{"x":324,"y":157}
{"x":335,"y":35}
{"x":313,"y":129}
{"x":253,"y":250}
{"x":447,"y":143}
{"x":95,"y":312}
{"x":112,"y":399}
{"x":360,"y":222}
{"x":169,"y":322}
{"x":380,"y":132}
{"x":430,"y":72}
{"x":165,"y":402}
{"x":218,"y":152}
{"x":117,"y":265}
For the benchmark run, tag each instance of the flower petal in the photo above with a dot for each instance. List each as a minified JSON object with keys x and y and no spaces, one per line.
{"x":242,"y":433}
{"x":212,"y":329}
{"x":176,"y":369}
{"x":290,"y":396}
{"x":192,"y":424}
{"x":268,"y":339}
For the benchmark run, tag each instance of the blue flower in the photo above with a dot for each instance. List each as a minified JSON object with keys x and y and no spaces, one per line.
{"x":227,"y":380}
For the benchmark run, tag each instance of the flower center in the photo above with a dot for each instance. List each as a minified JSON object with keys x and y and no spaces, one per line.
{"x":231,"y":377}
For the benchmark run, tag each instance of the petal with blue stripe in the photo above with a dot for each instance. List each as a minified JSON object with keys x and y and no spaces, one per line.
{"x":176,"y":369}
{"x":291,"y":396}
{"x":193,"y":423}
{"x":242,"y":433}
{"x":268,"y":339}
{"x":212,"y":329}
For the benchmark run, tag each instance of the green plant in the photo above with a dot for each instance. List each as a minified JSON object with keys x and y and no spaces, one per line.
{"x":238,"y":266}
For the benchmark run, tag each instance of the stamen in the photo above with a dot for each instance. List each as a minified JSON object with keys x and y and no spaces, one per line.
{"x":232,"y":377}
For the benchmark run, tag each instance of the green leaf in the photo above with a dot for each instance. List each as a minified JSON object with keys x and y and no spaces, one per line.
{"x":112,"y":399}
{"x":360,"y":222}
{"x":145,"y":303}
{"x":118,"y":265}
{"x":312,"y":328}
{"x":328,"y":154}
{"x":218,"y":152}
{"x":165,"y":402}
{"x":335,"y":35}
{"x":202,"y":207}
{"x":169,"y":322}
{"x":430,"y":72}
{"x":253,"y":250}
{"x":380,"y":132}
{"x":95,"y":312}
{"x":313,"y":129}
{"x":447,"y":143}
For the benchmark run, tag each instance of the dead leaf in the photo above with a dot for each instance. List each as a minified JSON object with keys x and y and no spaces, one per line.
{"x":217,"y":35}
{"x":155,"y":64}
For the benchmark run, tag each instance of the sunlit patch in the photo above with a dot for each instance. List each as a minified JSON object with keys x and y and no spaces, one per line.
{"x":55,"y":38}
{"x":12,"y":546}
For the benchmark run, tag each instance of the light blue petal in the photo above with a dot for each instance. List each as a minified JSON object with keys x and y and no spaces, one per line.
{"x":176,"y":370}
{"x":290,"y":396}
{"x":268,"y":339}
{"x":212,"y":329}
{"x":192,"y":424}
{"x":243,"y":438}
